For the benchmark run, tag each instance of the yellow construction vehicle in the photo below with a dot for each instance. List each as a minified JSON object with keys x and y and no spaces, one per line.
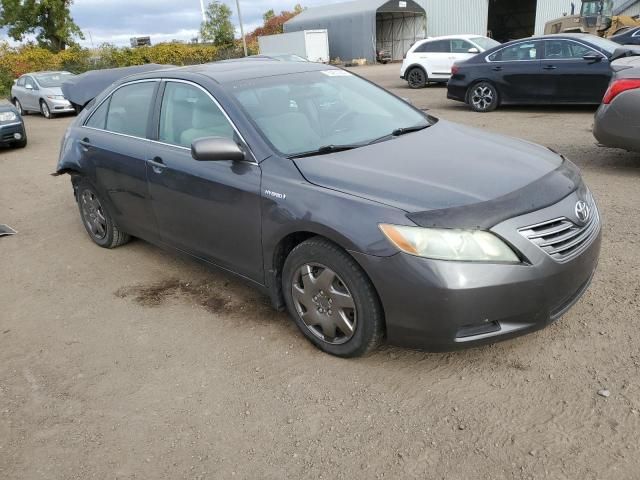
{"x":596,"y":17}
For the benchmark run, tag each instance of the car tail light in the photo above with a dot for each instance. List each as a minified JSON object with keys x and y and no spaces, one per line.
{"x":619,"y":86}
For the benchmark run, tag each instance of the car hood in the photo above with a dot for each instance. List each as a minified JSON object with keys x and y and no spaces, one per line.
{"x":437,"y":174}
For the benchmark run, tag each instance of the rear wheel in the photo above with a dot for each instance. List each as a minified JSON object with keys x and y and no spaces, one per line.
{"x":483,"y":97}
{"x":45,"y":110}
{"x":417,"y":78}
{"x":96,"y":219}
{"x":331,"y":299}
{"x":18,"y":105}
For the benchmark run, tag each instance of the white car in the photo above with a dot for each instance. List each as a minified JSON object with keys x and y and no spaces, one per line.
{"x":430,"y":60}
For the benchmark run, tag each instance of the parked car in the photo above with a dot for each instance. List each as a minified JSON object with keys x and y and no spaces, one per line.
{"x":430,"y":60}
{"x":617,"y":122}
{"x":551,"y":69}
{"x":362,"y":215}
{"x":12,"y":131}
{"x":628,"y":36}
{"x":384,"y":56}
{"x":40,"y":92}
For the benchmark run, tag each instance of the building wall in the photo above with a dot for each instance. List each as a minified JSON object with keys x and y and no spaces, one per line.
{"x":632,"y":11}
{"x":449,"y":17}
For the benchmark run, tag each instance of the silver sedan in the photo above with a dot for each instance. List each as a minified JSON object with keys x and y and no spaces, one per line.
{"x":40,"y":92}
{"x":617,"y":122}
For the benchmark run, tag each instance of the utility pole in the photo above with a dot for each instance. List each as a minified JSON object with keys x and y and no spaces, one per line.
{"x":204,"y":17}
{"x":244,"y":42}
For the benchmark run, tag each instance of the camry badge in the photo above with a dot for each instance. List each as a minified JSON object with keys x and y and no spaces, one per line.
{"x":583,"y":212}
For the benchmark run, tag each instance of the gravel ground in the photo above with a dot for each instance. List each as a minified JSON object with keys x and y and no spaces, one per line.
{"x":135,"y":363}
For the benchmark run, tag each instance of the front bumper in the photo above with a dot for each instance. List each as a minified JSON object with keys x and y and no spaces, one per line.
{"x":440,"y":306}
{"x":8,"y":133}
{"x":60,"y":106}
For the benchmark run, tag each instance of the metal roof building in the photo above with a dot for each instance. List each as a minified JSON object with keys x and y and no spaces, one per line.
{"x":357,"y":29}
{"x":630,"y":8}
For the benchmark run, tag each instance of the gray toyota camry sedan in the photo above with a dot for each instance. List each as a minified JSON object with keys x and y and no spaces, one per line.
{"x":365,"y":218}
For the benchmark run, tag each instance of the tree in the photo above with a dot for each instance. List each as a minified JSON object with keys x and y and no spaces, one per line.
{"x":49,"y":20}
{"x":217,"y":28}
{"x":268,"y":15}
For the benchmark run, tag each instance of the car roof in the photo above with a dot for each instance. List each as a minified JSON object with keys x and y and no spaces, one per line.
{"x":240,"y":69}
{"x":465,"y":36}
{"x":47,"y":72}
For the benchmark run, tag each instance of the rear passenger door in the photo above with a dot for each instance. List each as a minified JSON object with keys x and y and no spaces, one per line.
{"x":210,"y":210}
{"x":114,"y":143}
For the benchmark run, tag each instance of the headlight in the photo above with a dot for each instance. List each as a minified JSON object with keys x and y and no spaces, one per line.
{"x":56,"y":97}
{"x":8,"y":116}
{"x":449,"y":244}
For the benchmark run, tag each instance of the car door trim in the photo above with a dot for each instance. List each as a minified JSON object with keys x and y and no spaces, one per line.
{"x":163,"y":80}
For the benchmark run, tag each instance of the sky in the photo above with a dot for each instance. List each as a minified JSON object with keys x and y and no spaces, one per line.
{"x":115,"y":21}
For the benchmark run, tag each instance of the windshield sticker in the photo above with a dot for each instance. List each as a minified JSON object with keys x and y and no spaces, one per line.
{"x":336,"y":73}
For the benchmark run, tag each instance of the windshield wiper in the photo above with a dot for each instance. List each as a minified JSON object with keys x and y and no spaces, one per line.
{"x":328,"y":149}
{"x":403,"y":131}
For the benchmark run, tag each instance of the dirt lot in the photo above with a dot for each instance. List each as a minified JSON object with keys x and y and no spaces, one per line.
{"x":134,"y":363}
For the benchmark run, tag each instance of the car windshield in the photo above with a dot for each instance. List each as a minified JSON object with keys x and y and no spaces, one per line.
{"x":485,"y":43}
{"x":603,"y":43}
{"x":309,"y":111}
{"x":52,"y":79}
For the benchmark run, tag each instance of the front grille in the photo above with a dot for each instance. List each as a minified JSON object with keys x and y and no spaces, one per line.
{"x":562,"y":239}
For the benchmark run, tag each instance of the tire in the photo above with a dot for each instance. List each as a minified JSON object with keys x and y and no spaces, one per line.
{"x":96,"y":219}
{"x":331,"y":299}
{"x":483,"y":97}
{"x":417,"y":78}
{"x":45,"y":110}
{"x":18,"y":105}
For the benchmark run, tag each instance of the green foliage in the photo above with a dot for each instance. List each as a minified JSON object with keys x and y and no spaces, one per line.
{"x":268,"y":15}
{"x":16,"y":61}
{"x":49,"y":20}
{"x":217,"y":28}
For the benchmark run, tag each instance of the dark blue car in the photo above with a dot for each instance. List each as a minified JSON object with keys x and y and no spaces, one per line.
{"x":12,"y":130}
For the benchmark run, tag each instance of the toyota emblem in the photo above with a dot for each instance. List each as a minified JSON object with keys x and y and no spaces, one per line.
{"x":583,"y":212}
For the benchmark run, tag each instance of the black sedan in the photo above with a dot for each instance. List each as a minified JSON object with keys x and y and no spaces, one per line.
{"x":551,"y":69}
{"x":628,"y":36}
{"x":12,"y":131}
{"x":363,"y":216}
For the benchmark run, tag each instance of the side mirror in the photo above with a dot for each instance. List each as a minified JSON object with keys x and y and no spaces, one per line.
{"x":213,"y":149}
{"x":473,"y":50}
{"x":592,"y":57}
{"x":29,"y":86}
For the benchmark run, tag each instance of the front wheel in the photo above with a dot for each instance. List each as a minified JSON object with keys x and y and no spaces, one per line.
{"x":45,"y":110}
{"x":483,"y":97}
{"x":331,"y":299}
{"x":21,"y":110}
{"x":96,"y":219}
{"x":417,"y":78}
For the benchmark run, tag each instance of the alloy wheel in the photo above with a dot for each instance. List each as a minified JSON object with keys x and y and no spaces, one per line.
{"x":324,"y":303}
{"x":416,"y":78}
{"x":45,"y":110}
{"x":19,"y":107}
{"x":482,"y":97}
{"x":93,"y":214}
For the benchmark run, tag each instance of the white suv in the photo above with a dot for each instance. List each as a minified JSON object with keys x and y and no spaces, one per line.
{"x":431,"y":60}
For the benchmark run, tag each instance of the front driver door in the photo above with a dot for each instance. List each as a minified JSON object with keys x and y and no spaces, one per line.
{"x":210,"y":210}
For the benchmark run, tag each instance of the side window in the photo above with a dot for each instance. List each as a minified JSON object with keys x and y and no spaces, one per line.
{"x":460,"y":46}
{"x":129,"y":109}
{"x":20,"y":82}
{"x":98,"y":119}
{"x":563,"y":49}
{"x":28,"y":81}
{"x":188,"y":113}
{"x":439,"y":46}
{"x":518,"y":52}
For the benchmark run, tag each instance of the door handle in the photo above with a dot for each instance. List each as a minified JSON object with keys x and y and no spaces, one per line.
{"x":550,"y":67}
{"x":157,"y":165}
{"x":497,"y":69}
{"x":85,"y":144}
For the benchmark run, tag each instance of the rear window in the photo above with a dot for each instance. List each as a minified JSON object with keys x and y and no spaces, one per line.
{"x":438,"y":46}
{"x":485,"y":43}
